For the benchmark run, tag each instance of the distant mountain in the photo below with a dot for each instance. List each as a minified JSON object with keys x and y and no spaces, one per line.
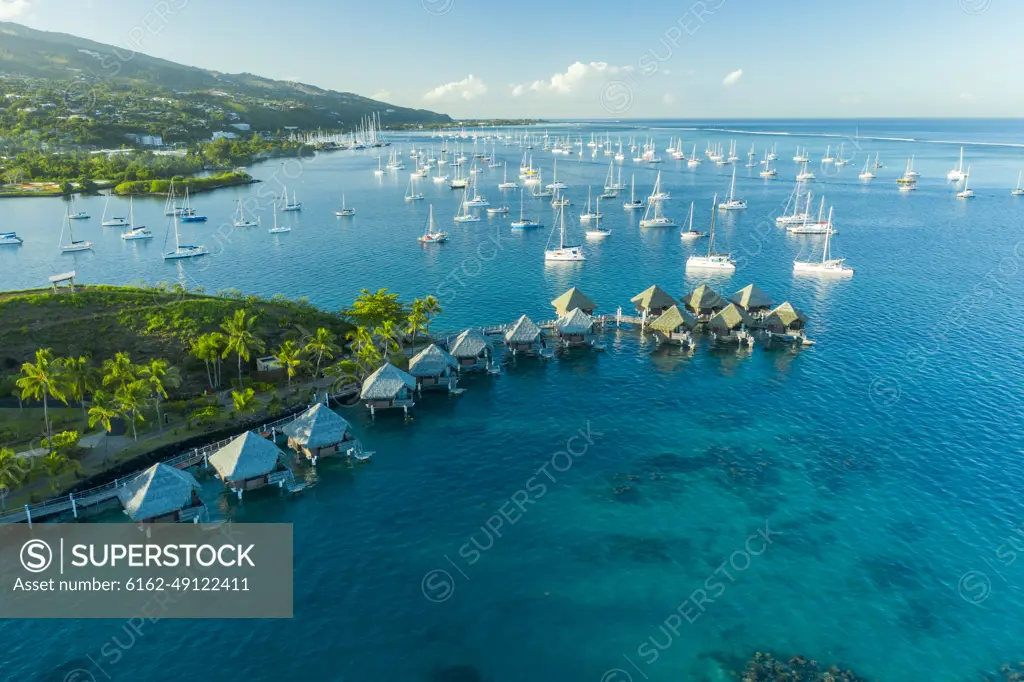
{"x":61,"y":57}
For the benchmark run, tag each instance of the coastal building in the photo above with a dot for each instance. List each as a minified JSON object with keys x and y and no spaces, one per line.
{"x":524,"y":337}
{"x":162,"y":494}
{"x":704,"y":302}
{"x":652,"y":302}
{"x":675,"y":326}
{"x":248,"y":462}
{"x":753,"y":300}
{"x":785,"y":323}
{"x":731,"y":325}
{"x":571,"y":300}
{"x":388,"y":387}
{"x":321,"y":432}
{"x":434,"y":367}
{"x":472,"y":350}
{"x":575,"y":328}
{"x":223,"y":134}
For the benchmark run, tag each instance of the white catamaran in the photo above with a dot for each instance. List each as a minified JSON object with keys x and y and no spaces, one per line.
{"x":957,"y":174}
{"x":564,"y":252}
{"x":523,"y":223}
{"x":827,"y":265}
{"x":733,"y":203}
{"x":712,"y":261}
{"x":430,"y":234}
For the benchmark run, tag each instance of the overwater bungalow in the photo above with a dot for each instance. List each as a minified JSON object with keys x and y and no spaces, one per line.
{"x":652,"y":302}
{"x":786,"y":323}
{"x":162,"y":494}
{"x":249,"y":462}
{"x":434,"y":367}
{"x":472,"y":349}
{"x":571,"y":300}
{"x":675,"y":326}
{"x":731,"y":325}
{"x":525,"y":337}
{"x":575,"y":328}
{"x":753,"y":300}
{"x":388,"y":387}
{"x":321,"y":432}
{"x":704,"y":302}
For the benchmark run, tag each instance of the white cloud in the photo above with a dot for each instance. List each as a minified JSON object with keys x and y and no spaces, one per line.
{"x":381,"y":95}
{"x":669,"y":98}
{"x":573,"y":78}
{"x":12,"y":9}
{"x":469,"y":87}
{"x":732,"y":78}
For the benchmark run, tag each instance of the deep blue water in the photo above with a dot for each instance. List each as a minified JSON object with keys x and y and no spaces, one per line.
{"x":885,"y":460}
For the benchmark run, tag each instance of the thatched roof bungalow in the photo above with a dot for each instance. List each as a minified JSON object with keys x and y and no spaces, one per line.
{"x":472,"y":350}
{"x":785,"y":320}
{"x":653,"y":301}
{"x":730,"y":325}
{"x":674,"y":326}
{"x":524,"y":337}
{"x":575,"y":328}
{"x":704,"y":302}
{"x":388,"y":387}
{"x":320,"y":432}
{"x":434,"y":367}
{"x":752,"y":299}
{"x":246,"y":462}
{"x":572,"y":299}
{"x":162,"y":494}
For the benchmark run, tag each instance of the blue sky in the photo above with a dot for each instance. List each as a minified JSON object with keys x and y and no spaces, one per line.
{"x":658,"y":58}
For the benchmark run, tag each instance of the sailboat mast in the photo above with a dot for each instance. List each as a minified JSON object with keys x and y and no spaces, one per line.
{"x":711,"y":237}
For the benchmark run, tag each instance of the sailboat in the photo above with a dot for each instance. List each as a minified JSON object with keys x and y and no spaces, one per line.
{"x":523,"y":223}
{"x":564,"y":252}
{"x":801,"y":157}
{"x":188,"y":214}
{"x":878,"y":164}
{"x":539,"y":192}
{"x":345,"y":210}
{"x":477,"y":200}
{"x":560,"y":199}
{"x":957,"y":174}
{"x":170,"y":207}
{"x":653,"y":217}
{"x":76,"y":215}
{"x":768,"y":171}
{"x":805,"y":174}
{"x":114,"y":221}
{"x":134,"y":232}
{"x":610,"y":183}
{"x":840,"y":161}
{"x":378,"y":171}
{"x":555,"y":182}
{"x":1018,"y":192}
{"x":505,"y":182}
{"x":412,"y":194}
{"x":966,"y":192}
{"x":184,"y":250}
{"x":278,"y":229}
{"x":633,"y":202}
{"x":72,"y":245}
{"x":828,"y":158}
{"x":430,"y":234}
{"x":691,"y":233}
{"x":751,"y":155}
{"x":597,"y":232}
{"x":818,"y":227}
{"x":908,"y":181}
{"x":827,"y":265}
{"x":733,"y":203}
{"x":588,"y":215}
{"x":240,"y":219}
{"x":295,"y":205}
{"x":658,"y":194}
{"x":694,"y":160}
{"x":10,"y":239}
{"x":866,"y":174}
{"x":712,"y":261}
{"x":466,"y":216}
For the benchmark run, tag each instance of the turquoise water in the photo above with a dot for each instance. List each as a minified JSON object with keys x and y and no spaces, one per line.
{"x":883,"y":462}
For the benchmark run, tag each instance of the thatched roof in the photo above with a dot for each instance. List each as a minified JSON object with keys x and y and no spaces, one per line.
{"x":159,"y":490}
{"x":317,"y":427}
{"x":730,"y":317}
{"x":785,"y":316}
{"x":752,"y":298}
{"x":672,"y":319}
{"x":653,"y":298}
{"x":575,"y":322}
{"x":247,"y":456}
{"x":523,"y":331}
{"x":469,"y":344}
{"x":704,"y":298}
{"x":386,"y":383}
{"x":431,"y":362}
{"x":572,"y":299}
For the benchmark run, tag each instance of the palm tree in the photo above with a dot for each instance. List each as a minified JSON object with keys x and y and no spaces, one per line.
{"x":41,"y":380}
{"x":288,"y":356}
{"x":245,"y":401}
{"x":130,"y":398}
{"x":55,"y":465}
{"x":13,"y":471}
{"x":417,"y":320}
{"x":390,"y":337}
{"x":160,"y":376}
{"x":79,"y":378}
{"x":431,"y":308}
{"x":240,"y":339}
{"x":119,"y":371}
{"x":101,"y":411}
{"x":364,"y":348}
{"x":208,"y":348}
{"x":321,"y":345}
